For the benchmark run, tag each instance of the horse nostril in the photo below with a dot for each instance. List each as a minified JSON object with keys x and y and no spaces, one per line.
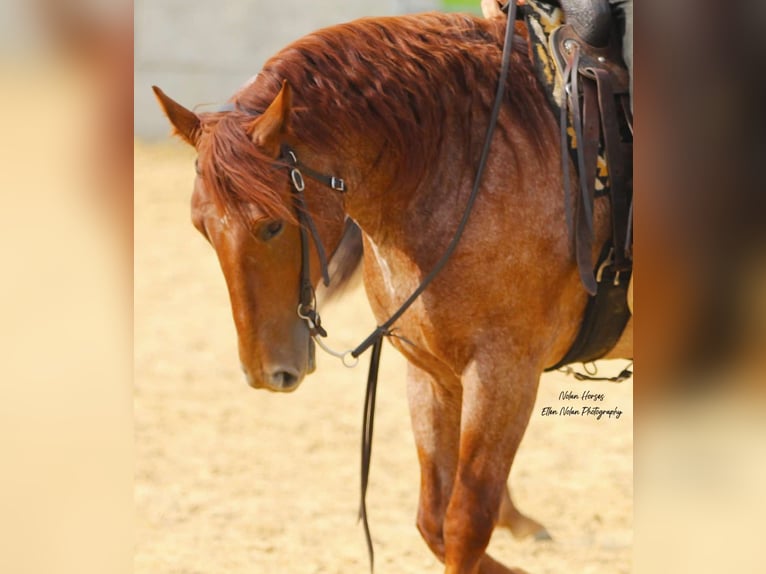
{"x":288,"y":379}
{"x":284,"y":379}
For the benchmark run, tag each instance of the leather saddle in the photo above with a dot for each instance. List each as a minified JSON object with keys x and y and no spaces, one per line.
{"x":588,"y":87}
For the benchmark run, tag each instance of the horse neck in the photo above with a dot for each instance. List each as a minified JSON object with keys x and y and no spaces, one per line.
{"x":382,"y":200}
{"x":371,"y":175}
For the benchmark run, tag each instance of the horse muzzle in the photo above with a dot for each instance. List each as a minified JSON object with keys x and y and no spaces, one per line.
{"x":278,"y":378}
{"x":281,"y":367}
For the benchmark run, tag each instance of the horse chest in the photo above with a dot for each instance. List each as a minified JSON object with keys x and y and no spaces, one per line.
{"x":390,"y":277}
{"x":384,"y":269}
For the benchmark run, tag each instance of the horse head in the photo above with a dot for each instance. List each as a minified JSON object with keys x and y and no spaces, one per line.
{"x":246,"y":211}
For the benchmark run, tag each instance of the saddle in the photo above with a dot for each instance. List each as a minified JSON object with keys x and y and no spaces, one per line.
{"x":588,"y":88}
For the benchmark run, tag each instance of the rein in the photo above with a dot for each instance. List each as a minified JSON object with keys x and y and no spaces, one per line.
{"x":307,"y":298}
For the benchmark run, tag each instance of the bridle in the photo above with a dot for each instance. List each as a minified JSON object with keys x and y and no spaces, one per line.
{"x":307,"y":297}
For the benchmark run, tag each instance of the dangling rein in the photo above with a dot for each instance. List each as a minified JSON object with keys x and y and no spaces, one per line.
{"x":307,"y":303}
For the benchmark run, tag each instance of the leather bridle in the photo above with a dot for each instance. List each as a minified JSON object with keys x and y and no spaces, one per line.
{"x":307,"y":297}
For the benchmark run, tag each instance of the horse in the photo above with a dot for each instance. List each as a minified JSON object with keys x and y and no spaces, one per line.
{"x":396,"y":109}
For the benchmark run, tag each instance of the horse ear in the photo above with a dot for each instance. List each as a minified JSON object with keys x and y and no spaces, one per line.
{"x":185,"y":122}
{"x":267,"y":129}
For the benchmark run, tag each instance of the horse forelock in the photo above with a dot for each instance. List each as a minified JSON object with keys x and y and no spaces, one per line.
{"x":236,"y":172}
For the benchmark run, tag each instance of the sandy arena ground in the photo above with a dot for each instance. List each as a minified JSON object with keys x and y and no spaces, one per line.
{"x":232,"y":480}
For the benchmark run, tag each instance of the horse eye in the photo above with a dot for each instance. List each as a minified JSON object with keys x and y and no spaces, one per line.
{"x":271,"y":229}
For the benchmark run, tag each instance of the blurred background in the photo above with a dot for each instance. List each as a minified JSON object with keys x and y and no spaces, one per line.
{"x":66,"y":292}
{"x":202,"y":52}
{"x":67,"y":97}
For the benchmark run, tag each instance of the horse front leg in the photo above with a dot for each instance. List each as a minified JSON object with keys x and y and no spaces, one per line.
{"x":435,"y":414}
{"x":498,"y":397}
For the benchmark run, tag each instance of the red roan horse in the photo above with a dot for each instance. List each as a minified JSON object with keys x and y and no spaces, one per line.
{"x":398,"y":107}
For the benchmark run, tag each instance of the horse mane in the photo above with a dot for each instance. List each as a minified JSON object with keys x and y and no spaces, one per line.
{"x":396,"y":80}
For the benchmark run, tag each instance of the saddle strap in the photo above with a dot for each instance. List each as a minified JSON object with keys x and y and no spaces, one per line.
{"x":565,"y":157}
{"x":618,"y":172}
{"x":586,"y":127}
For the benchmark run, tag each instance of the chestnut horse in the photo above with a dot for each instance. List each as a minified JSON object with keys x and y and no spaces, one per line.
{"x":398,"y":108}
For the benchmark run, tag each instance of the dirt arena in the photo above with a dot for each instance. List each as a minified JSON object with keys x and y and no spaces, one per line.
{"x":232,"y":480}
